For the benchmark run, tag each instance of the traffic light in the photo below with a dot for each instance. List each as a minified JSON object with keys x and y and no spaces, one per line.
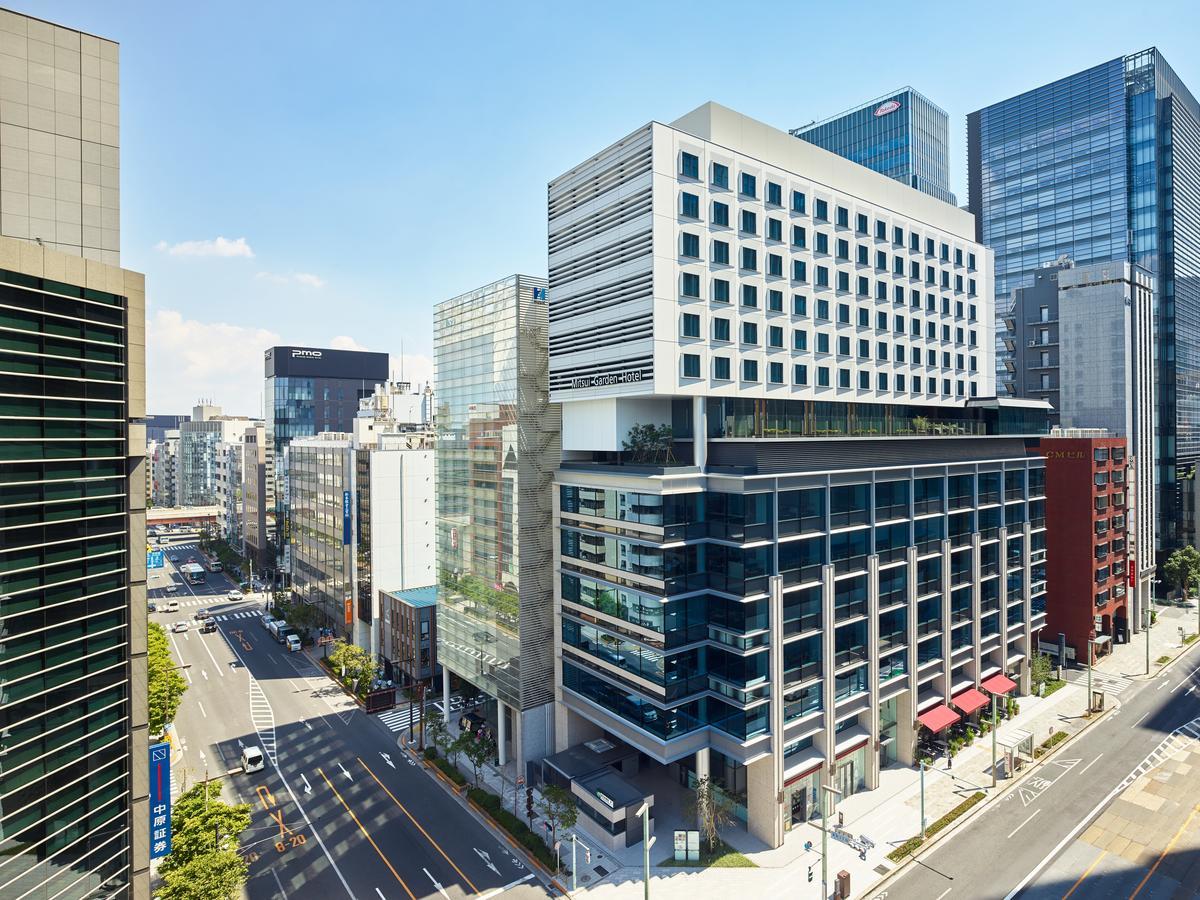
{"x":529,"y":803}
{"x":587,"y":856}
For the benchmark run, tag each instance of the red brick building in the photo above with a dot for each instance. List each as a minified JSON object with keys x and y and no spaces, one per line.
{"x":1086,"y":541}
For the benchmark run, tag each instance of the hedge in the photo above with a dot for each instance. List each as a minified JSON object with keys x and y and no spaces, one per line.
{"x":910,"y":846}
{"x":494,"y":807}
{"x":450,"y":772}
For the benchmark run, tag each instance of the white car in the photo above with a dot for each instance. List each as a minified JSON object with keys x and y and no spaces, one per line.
{"x":252,"y":760}
{"x":234,"y":595}
{"x":180,"y":626}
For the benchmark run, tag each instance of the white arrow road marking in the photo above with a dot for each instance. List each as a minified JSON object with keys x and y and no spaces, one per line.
{"x":304,"y":722}
{"x":487,"y":860}
{"x":240,"y":744}
{"x":344,"y":772}
{"x":307,"y":786}
{"x":440,"y":889}
{"x":387,"y":759}
{"x":204,"y":673}
{"x":380,"y":893}
{"x":508,"y":887}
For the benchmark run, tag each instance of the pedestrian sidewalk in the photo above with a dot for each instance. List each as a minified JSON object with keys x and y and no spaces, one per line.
{"x":1129,"y":660}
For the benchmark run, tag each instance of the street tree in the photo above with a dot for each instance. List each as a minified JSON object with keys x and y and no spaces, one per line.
{"x":360,"y":667}
{"x":712,"y":809}
{"x":165,"y":686}
{"x":1182,"y":568}
{"x":558,"y":808}
{"x":204,"y":863}
{"x":218,"y":875}
{"x":478,"y":749}
{"x":436,"y":730}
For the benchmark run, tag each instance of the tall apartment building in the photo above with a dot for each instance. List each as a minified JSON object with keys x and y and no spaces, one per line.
{"x":497,"y":447}
{"x":258,"y":498}
{"x":834,"y":529}
{"x":158,"y":426}
{"x":164,"y":465}
{"x":229,"y":478}
{"x":199,"y":453}
{"x":74,"y":819}
{"x":902,"y":135}
{"x":1095,"y":166}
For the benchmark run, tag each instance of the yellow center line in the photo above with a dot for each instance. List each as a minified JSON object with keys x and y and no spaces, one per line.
{"x":1166,"y":850}
{"x":460,"y":872}
{"x":1086,"y":873}
{"x":367,"y":835}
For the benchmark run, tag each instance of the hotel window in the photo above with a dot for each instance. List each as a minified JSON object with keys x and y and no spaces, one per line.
{"x":720,"y":175}
{"x":958,"y":283}
{"x":931,"y":357}
{"x":750,"y":333}
{"x":880,"y":230}
{"x":691,"y":325}
{"x":799,"y":339}
{"x":691,"y":284}
{"x":958,"y":335}
{"x":749,"y":370}
{"x":720,"y":290}
{"x":749,"y":295}
{"x":929,"y":246}
{"x":721,"y":253}
{"x":775,"y":372}
{"x":930,"y":303}
{"x":799,"y":236}
{"x":971,"y":288}
{"x":749,"y":185}
{"x":843,"y":345}
{"x":822,"y":342}
{"x":799,"y":270}
{"x":864,"y":349}
{"x":898,"y":269}
{"x":916,"y":327}
{"x":958,"y":310}
{"x":775,"y":265}
{"x":774,"y":230}
{"x":775,"y":301}
{"x":931,"y":331}
{"x":971,"y":313}
{"x":691,"y":245}
{"x":823,"y":309}
{"x":843,"y":314}
{"x":898,"y":236}
{"x":959,"y":361}
{"x":914,"y":242}
{"x":898,"y":324}
{"x":798,"y":203}
{"x":898,"y":295}
{"x":945,"y":248}
{"x":720,"y":330}
{"x":691,"y":205}
{"x":882,"y":381}
{"x":843,"y":378}
{"x":721,"y":368}
{"x":881,"y":321}
{"x":775,"y":337}
{"x":749,"y":259}
{"x":861,"y":224}
{"x":774,"y":194}
{"x":914,"y":270}
{"x":916,"y":384}
{"x":929,"y":279}
{"x":843,"y":249}
{"x":864,"y":318}
{"x":822,"y":242}
{"x":843,"y":217}
{"x":749,"y":222}
{"x":881,"y":350}
{"x":946,"y":280}
{"x":691,"y":365}
{"x":864,"y":381}
{"x":822,"y":376}
{"x":863,"y":254}
{"x":946,"y":333}
{"x":843,"y":281}
{"x":914,"y":297}
{"x":720,"y":214}
{"x":880,"y":260}
{"x":689,"y":165}
{"x":946,"y":386}
{"x":864,"y":286}
{"x":820,"y":210}
{"x":799,"y":305}
{"x":899,"y":382}
{"x":958,"y":256}
{"x":822,"y":276}
{"x":971,"y":262}
{"x":899,"y":353}
{"x":800,"y":374}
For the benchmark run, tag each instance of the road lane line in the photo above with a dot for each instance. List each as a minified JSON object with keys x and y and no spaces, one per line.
{"x":1086,"y":873}
{"x":1092,"y":763}
{"x":512,"y":884}
{"x":1167,"y":849}
{"x":367,"y":835}
{"x":944,"y":893}
{"x":1139,"y":721}
{"x":380,"y":893}
{"x":404,"y":810}
{"x":202,"y":712}
{"x":279,"y":883}
{"x":204,"y":673}
{"x":1023,"y":824}
{"x":1186,"y":679}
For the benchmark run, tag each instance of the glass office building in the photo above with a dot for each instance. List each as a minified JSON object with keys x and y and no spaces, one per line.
{"x":497,"y":447}
{"x":902,"y":135}
{"x":73,"y":732}
{"x":1097,"y":167}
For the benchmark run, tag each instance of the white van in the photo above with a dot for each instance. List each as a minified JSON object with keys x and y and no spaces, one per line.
{"x":169,"y":606}
{"x":252,"y":760}
{"x":293,"y":643}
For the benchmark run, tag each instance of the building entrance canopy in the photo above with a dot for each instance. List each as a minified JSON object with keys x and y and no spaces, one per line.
{"x":969,"y":701}
{"x":938,"y":718}
{"x":998,"y":684}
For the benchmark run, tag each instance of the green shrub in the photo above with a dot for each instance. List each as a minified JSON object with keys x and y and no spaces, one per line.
{"x":450,"y":771}
{"x":431,"y":753}
{"x":1051,"y":686}
{"x":1055,"y":739}
{"x":494,"y":807}
{"x":910,"y":846}
{"x":1163,"y":660}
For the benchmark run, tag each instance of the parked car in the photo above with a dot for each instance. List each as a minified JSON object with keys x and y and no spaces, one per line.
{"x":293,"y":643}
{"x":180,"y":626}
{"x":266,"y":622}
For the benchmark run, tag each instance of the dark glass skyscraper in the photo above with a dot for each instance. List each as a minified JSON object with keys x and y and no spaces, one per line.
{"x":902,"y":135}
{"x":1104,"y":165}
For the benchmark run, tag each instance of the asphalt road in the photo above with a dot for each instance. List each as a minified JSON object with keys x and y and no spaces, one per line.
{"x":339,"y":811}
{"x":1014,"y":847}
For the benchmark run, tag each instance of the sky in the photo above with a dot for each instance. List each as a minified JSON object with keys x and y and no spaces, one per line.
{"x":324,"y":174}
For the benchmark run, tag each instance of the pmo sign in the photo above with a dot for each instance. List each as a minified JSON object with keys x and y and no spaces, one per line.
{"x":887,"y":108}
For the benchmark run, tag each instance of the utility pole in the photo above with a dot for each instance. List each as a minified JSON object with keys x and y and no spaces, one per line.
{"x":922,"y":798}
{"x":1146,"y":628}
{"x":1089,"y":677}
{"x":826,"y":790}
{"x":647,"y":842}
{"x":994,"y":720}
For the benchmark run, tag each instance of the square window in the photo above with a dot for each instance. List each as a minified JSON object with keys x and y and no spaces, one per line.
{"x":843,"y":378}
{"x":774,"y":194}
{"x":822,"y":376}
{"x":720,"y":175}
{"x":800,"y":374}
{"x":843,"y":217}
{"x":689,"y":165}
{"x":721,"y":253}
{"x":799,"y":270}
{"x":822,"y":242}
{"x":799,"y":339}
{"x":690,"y":205}
{"x":720,"y":290}
{"x":691,"y":325}
{"x":691,"y":245}
{"x":749,"y":185}
{"x":798,"y":203}
{"x":749,"y":295}
{"x":820,"y":210}
{"x":775,"y":301}
{"x":691,"y":285}
{"x":691,"y":365}
{"x":750,"y":333}
{"x":749,"y":370}
{"x":749,"y":259}
{"x":721,"y":368}
{"x":864,"y":349}
{"x":775,"y":372}
{"x":823,"y":309}
{"x":822,"y":342}
{"x":864,"y":381}
{"x":720,"y":329}
{"x":775,"y":265}
{"x":774,"y":230}
{"x":775,"y":337}
{"x":720,"y":214}
{"x":749,"y":222}
{"x":843,"y":345}
{"x":799,"y":236}
{"x":861,"y":224}
{"x":799,"y":305}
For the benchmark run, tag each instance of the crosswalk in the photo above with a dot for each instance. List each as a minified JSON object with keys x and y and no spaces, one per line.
{"x":243,"y":614}
{"x":1112,"y":685}
{"x":398,"y":719}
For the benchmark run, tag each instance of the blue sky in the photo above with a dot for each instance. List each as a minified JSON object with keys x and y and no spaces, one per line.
{"x":376,"y":158}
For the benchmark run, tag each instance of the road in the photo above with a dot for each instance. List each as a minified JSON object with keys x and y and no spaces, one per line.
{"x":1027,"y":844}
{"x":339,"y":811}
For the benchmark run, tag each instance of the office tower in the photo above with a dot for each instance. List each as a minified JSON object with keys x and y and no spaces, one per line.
{"x":60,"y":182}
{"x":309,"y":390}
{"x":198,"y":457}
{"x":258,"y":498}
{"x":158,"y":426}
{"x":164,"y":465}
{"x":228,"y":483}
{"x":74,"y":817}
{"x":902,"y":135}
{"x":793,"y":520}
{"x":497,"y":447}
{"x":1095,"y":166}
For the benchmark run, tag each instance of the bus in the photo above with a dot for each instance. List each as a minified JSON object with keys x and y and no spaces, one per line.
{"x":193,"y":573}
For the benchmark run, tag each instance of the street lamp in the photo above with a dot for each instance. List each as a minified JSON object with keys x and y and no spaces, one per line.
{"x":1091,"y":641}
{"x":647,"y":842}
{"x":826,"y":790}
{"x":994,"y":723}
{"x":1146,"y":628}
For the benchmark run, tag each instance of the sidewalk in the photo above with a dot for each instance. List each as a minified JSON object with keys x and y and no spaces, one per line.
{"x":1129,"y":660}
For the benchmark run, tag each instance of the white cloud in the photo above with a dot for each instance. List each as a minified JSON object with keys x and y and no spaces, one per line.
{"x":219,"y":246}
{"x":188,"y":359}
{"x":308,"y":279}
{"x":345,"y":342}
{"x":415,"y":369}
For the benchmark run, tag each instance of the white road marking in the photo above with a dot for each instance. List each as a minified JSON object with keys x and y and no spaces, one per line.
{"x":440,"y":889}
{"x":944,"y":893}
{"x":487,"y":860}
{"x":1143,"y":717}
{"x":202,"y":712}
{"x":1097,"y":759}
{"x":205,"y":674}
{"x":512,"y":884}
{"x":380,"y":893}
{"x":1023,"y":824}
{"x":1186,"y":679}
{"x":307,"y":786}
{"x":387,"y":759}
{"x":279,"y":883}
{"x":344,"y":772}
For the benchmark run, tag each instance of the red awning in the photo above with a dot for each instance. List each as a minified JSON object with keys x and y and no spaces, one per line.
{"x":969,"y":701}
{"x":998,"y":684}
{"x":938,"y":718}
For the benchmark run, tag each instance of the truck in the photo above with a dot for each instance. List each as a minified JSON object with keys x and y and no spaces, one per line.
{"x":280,"y":630}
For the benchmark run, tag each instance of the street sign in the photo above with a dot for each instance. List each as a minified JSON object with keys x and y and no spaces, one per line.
{"x":154,"y":559}
{"x":160,"y":800}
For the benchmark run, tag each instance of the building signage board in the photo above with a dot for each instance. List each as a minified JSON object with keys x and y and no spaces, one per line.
{"x":154,"y":559}
{"x":160,"y":800}
{"x":887,"y":108}
{"x":345,"y":517}
{"x":349,"y":612}
{"x":629,"y":376}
